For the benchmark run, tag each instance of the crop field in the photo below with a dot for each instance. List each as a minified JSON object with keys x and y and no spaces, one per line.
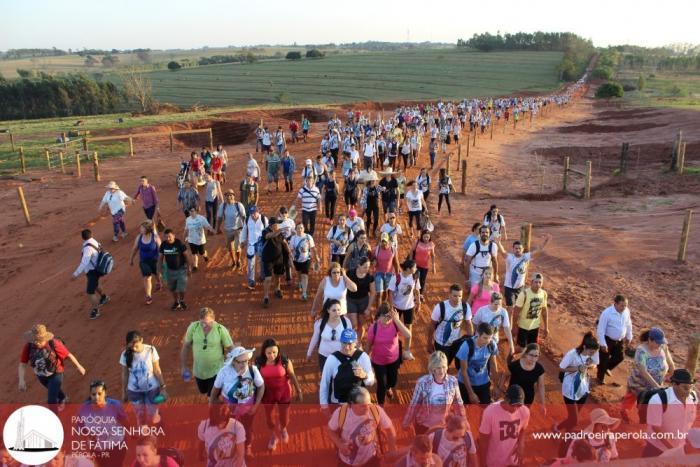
{"x":663,"y":89}
{"x":381,"y":77}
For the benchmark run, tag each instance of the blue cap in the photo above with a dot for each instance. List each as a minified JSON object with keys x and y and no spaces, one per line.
{"x":348,"y":336}
{"x":657,"y":335}
{"x":252,"y":208}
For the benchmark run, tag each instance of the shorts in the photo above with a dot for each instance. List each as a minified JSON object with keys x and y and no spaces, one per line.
{"x":302,"y":268}
{"x":527,"y":336}
{"x":511,"y":295}
{"x":197,"y":249}
{"x":233,"y":236}
{"x":269,"y":268}
{"x":204,"y":386}
{"x":272,"y":178}
{"x":223,"y":168}
{"x":149,"y":267}
{"x":306,"y":132}
{"x":357,"y":305}
{"x":475,"y":275}
{"x":406,"y":316}
{"x":149,"y":212}
{"x":381,"y":280}
{"x":177,"y":280}
{"x":266,"y":147}
{"x":93,"y":281}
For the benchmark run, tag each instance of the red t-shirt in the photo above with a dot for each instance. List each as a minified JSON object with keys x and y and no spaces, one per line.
{"x":422,"y":254}
{"x":61,"y":354}
{"x":277,"y":387}
{"x":216,"y":164}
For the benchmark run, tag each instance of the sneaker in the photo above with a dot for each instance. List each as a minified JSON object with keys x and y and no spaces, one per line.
{"x":407,"y":355}
{"x":608,"y":373}
{"x":104,"y":299}
{"x":278,"y":293}
{"x":273,"y":443}
{"x":266,"y":302}
{"x":176,"y":306}
{"x":149,"y":300}
{"x":284,"y":435}
{"x":62,"y":404}
{"x":124,"y":234}
{"x":183,"y":306}
{"x":115,"y":239}
{"x":251,"y":285}
{"x":390,"y":393}
{"x":304,"y":297}
{"x":95,"y":313}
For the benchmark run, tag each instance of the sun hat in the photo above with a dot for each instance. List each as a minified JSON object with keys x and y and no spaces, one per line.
{"x":600,"y":417}
{"x":515,"y":395}
{"x":682,"y":376}
{"x":38,"y":333}
{"x":348,"y":336}
{"x":657,"y":335}
{"x":230,"y":192}
{"x":112,"y":185}
{"x":369,"y":176}
{"x":238,"y":351}
{"x":308,"y":162}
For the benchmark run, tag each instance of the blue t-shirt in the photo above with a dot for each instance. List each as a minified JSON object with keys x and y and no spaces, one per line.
{"x":477,"y":367}
{"x":469,"y":240}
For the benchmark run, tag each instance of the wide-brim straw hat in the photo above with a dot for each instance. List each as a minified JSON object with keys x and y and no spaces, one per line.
{"x":368,"y":176}
{"x":38,"y":333}
{"x":601,"y":417}
{"x":389,"y":171}
{"x":112,"y":185}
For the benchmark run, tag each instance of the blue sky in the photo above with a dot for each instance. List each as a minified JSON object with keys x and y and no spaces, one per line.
{"x":160,"y":24}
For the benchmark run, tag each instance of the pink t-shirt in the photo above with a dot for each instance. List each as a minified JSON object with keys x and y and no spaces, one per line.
{"x":384,"y":257}
{"x":385,"y":345}
{"x":504,"y":428}
{"x":422,"y":254}
{"x":485,"y":297}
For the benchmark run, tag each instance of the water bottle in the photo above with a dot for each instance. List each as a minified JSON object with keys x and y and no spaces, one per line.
{"x":186,"y":376}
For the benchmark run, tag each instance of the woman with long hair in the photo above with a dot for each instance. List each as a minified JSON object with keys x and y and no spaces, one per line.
{"x":528,"y":373}
{"x":445,"y":187}
{"x":384,"y":348}
{"x":480,"y":294}
{"x":147,"y":244}
{"x":335,"y":285}
{"x":424,"y":255}
{"x":221,"y":438}
{"x":327,"y":330}
{"x":277,"y":371}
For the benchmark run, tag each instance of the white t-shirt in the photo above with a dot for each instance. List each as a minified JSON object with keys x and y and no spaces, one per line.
{"x":195,"y":229}
{"x":355,"y":225}
{"x":455,"y":453}
{"x":497,"y":319}
{"x":354,"y":156}
{"x":369,"y":150}
{"x":362,"y":431}
{"x":235,"y":387}
{"x":220,"y":444}
{"x":393,"y":232}
{"x":115,"y":201}
{"x":677,"y":418}
{"x":141,"y":376}
{"x":504,"y":428}
{"x":414,"y":200}
{"x":341,"y":235}
{"x":483,"y":258}
{"x":403,"y":296}
{"x":288,"y":226}
{"x":450,"y":329}
{"x":496,"y":225}
{"x":516,"y":270}
{"x":329,"y":341}
{"x":573,"y":358}
{"x":301,"y":247}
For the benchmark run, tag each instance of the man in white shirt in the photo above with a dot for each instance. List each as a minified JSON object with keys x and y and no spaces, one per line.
{"x":115,"y":199}
{"x":671,"y":414}
{"x":88,"y":262}
{"x":614,"y":334}
{"x":451,"y":319}
{"x":344,"y":370}
{"x":251,"y":237}
{"x":481,"y":255}
{"x":310,"y":197}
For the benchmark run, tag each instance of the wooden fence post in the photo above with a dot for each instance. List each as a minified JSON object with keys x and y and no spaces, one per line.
{"x":12,"y":141}
{"x":23,"y":202}
{"x":526,"y":235}
{"x":676,"y":150}
{"x":464,"y":177}
{"x":467,"y":155}
{"x":475,"y":132}
{"x":449,"y":156}
{"x":491,"y":129}
{"x":85,"y":143}
{"x":624,"y":156}
{"x":96,"y":166}
{"x":171,"y":141}
{"x":48,"y":158}
{"x":77,"y":164}
{"x":683,"y":247}
{"x":23,"y":163}
{"x":131,"y":146}
{"x":211,"y":140}
{"x":587,"y":181}
{"x":681,"y":158}
{"x":566,"y":173}
{"x":459,"y":156}
{"x":64,"y":136}
{"x":63,"y":166}
{"x":693,"y":353}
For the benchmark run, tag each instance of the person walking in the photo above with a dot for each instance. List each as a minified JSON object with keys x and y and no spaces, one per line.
{"x":289,"y":166}
{"x":303,"y":253}
{"x":360,"y":302}
{"x":454,"y":444}
{"x":386,"y":264}
{"x":209,"y":341}
{"x":46,"y":355}
{"x":575,"y":368}
{"x":389,"y":189}
{"x":305,"y":126}
{"x":277,"y":372}
{"x":187,"y":198}
{"x":369,"y":202}
{"x":149,"y":198}
{"x":452,"y":324}
{"x":392,"y":228}
{"x":357,"y":249}
{"x":88,"y":265}
{"x":423,"y":181}
{"x":445,"y":187}
{"x":221,"y":438}
{"x":274,"y":252}
{"x":494,"y":314}
{"x":213,"y":198}
{"x":423,"y":254}
{"x":384,"y":348}
{"x":416,"y":207}
{"x":115,"y":199}
{"x":344,"y":370}
{"x":327,"y":329}
{"x":174,"y":257}
{"x":480,"y":294}
{"x":517,"y":264}
{"x":528,"y":373}
{"x":252,"y":238}
{"x":310,"y":196}
{"x":273,"y":163}
{"x":335,"y":285}
{"x":142,"y":378}
{"x":531,"y":312}
{"x":614,"y":336}
{"x":195,"y":225}
{"x":477,"y":365}
{"x":480,"y":255}
{"x":495,"y":221}
{"x":435,"y":396}
{"x":502,"y":430}
{"x":147,"y":244}
{"x":231,"y":218}
{"x":106,"y":418}
{"x":339,"y":236}
{"x":404,"y":294}
{"x":249,"y":192}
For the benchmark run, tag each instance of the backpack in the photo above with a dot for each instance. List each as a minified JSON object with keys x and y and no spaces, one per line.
{"x":437,"y":437}
{"x":374,"y":411}
{"x":174,"y":454}
{"x":345,"y":378}
{"x":479,"y":250}
{"x":238,"y":205}
{"x":44,"y":360}
{"x":645,"y":396}
{"x":443,"y":310}
{"x":104,"y":263}
{"x":324,"y":321}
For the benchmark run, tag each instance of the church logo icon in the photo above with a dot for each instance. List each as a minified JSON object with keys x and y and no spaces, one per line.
{"x":37,"y":434}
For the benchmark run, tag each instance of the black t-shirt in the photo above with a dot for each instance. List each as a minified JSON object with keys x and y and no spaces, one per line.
{"x":525,"y":379}
{"x":363,"y":284}
{"x":174,"y":254}
{"x":273,"y":248}
{"x":391,"y":189}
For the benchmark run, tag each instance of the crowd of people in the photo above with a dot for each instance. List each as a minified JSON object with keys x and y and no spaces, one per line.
{"x":364,"y":306}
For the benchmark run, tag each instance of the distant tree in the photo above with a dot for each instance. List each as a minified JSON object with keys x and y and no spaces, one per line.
{"x":138,"y":88}
{"x":314,"y":53}
{"x":114,"y":51}
{"x":641,"y":82}
{"x":24,"y":73}
{"x":609,"y":90}
{"x":144,"y":56}
{"x":109,"y":61}
{"x":90,"y":61}
{"x":293,"y":56}
{"x":250,"y":57}
{"x":602,"y":72}
{"x":174,"y":66}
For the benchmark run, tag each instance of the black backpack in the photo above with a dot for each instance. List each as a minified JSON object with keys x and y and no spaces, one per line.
{"x":345,"y":379}
{"x":437,"y":437}
{"x":324,"y":321}
{"x":645,"y":396}
{"x":479,"y":250}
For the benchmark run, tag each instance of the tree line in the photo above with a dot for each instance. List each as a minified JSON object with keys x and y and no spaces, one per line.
{"x":48,"y":96}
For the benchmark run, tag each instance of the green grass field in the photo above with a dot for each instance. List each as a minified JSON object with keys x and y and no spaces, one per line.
{"x":405,"y":75}
{"x":663,"y":89}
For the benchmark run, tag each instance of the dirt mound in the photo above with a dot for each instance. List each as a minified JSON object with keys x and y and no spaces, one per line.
{"x":225,"y":132}
{"x":631,"y":113}
{"x":314,"y":115}
{"x":593,"y":128}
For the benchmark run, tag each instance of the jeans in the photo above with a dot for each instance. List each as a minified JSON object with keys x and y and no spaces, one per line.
{"x":372,"y":213}
{"x":53,"y":384}
{"x":381,"y":280}
{"x":329,"y":202}
{"x":211,"y":208}
{"x":251,"y":266}
{"x":118,"y":222}
{"x":308,"y":219}
{"x":149,"y":212}
{"x":422,"y":276}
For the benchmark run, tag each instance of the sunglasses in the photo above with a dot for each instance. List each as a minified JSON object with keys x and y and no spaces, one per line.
{"x":332,"y":334}
{"x":205,"y":343}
